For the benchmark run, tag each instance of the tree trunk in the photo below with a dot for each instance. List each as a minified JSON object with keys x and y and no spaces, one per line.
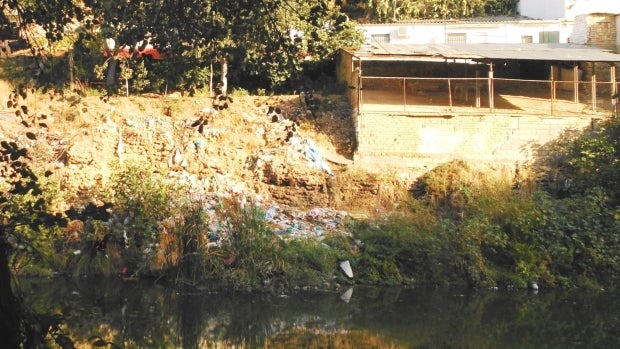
{"x":224,"y":79}
{"x":71,"y":69}
{"x":110,"y":79}
{"x":211,"y":80}
{"x":9,"y":306}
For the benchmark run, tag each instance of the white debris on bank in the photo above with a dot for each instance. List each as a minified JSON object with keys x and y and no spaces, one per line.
{"x":283,"y":141}
{"x":282,"y":133}
{"x":309,"y":149}
{"x":346,"y":268}
{"x":285,"y":221}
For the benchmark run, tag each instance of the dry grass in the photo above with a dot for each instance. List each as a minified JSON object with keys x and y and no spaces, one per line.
{"x":368,"y":192}
{"x":84,"y":130}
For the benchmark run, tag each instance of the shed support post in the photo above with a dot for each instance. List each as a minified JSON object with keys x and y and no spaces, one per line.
{"x":614,"y":87}
{"x":593,"y":93}
{"x":552,"y":78}
{"x":575,"y":83}
{"x":404,"y":94}
{"x":491,"y":92}
{"x":477,"y":89}
{"x":450,"y":93}
{"x":612,"y":78}
{"x":360,"y":87}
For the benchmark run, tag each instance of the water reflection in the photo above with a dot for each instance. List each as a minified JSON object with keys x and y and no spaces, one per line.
{"x":143,"y":315}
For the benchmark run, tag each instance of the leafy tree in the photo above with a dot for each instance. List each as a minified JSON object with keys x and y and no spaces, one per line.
{"x":578,"y":162}
{"x":53,"y":16}
{"x":25,"y":210}
{"x":39,"y":23}
{"x":253,"y":38}
{"x":255,"y":44}
{"x":394,"y":10}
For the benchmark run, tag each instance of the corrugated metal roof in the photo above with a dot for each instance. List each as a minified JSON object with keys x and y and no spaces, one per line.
{"x":489,"y":19}
{"x":537,"y":52}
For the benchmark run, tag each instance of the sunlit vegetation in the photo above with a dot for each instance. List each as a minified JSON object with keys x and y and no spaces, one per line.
{"x":397,"y":10}
{"x":153,"y":232}
{"x":555,"y":224}
{"x":457,"y":226}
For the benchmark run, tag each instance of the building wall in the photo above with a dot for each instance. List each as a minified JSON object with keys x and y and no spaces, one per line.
{"x":618,"y":33}
{"x":602,"y":30}
{"x":598,"y":30}
{"x":581,"y":32}
{"x":347,"y":72}
{"x":426,"y":32}
{"x":426,"y":141}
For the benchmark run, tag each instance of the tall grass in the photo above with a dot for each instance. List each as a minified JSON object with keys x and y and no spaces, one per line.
{"x":358,"y":190}
{"x":465,"y":227}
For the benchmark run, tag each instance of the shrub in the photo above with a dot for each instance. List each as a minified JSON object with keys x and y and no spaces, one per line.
{"x":253,"y":250}
{"x":142,"y":200}
{"x":399,"y":251}
{"x":309,"y":262}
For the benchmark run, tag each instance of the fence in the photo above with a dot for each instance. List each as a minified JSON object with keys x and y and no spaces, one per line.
{"x":497,"y":95}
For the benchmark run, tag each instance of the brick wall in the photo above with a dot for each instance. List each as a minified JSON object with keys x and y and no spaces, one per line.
{"x":417,"y":141}
{"x":617,"y":33}
{"x":602,"y":30}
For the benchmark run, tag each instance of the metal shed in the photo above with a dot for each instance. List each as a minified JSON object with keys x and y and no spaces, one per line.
{"x":487,"y":52}
{"x":560,"y":71}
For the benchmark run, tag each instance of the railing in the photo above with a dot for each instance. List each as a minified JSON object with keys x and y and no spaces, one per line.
{"x":497,"y":95}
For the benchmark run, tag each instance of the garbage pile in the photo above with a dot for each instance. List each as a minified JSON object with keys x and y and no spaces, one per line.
{"x":287,"y":222}
{"x":282,"y":138}
{"x":285,"y":146}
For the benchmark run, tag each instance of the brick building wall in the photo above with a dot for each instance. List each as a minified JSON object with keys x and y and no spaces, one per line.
{"x":422,"y":141}
{"x":602,"y":30}
{"x":598,"y":30}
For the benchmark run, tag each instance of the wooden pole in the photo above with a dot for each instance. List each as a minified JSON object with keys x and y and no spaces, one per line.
{"x":491,"y":89}
{"x":404,"y":94}
{"x":593,"y":93}
{"x":575,"y":83}
{"x":552,"y":86}
{"x":593,"y":87}
{"x":210,"y":81}
{"x":359,"y":93}
{"x":614,"y":87}
{"x":477,"y":90}
{"x":450,"y":93}
{"x":612,"y":78}
{"x":71,"y":69}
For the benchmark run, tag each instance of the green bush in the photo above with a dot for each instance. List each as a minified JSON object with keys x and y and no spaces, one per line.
{"x":141,"y":201}
{"x":254,"y":247}
{"x":395,"y":252}
{"x":308,"y":262}
{"x":465,"y":227}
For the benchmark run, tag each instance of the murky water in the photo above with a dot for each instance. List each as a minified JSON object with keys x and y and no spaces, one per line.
{"x":143,"y":315}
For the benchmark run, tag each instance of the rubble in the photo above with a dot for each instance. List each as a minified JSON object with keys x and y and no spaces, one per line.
{"x":287,"y":222}
{"x":282,"y":167}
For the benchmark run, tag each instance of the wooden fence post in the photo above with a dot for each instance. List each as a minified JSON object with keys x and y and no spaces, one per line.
{"x":575,"y":83}
{"x":491,"y":88}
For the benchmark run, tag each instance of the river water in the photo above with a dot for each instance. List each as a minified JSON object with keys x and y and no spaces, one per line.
{"x":131,"y":314}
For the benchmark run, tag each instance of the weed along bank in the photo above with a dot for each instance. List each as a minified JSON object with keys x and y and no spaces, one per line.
{"x":421,"y":105}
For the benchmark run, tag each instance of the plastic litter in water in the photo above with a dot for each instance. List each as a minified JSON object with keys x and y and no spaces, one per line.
{"x":346,"y":296}
{"x":346,"y":267}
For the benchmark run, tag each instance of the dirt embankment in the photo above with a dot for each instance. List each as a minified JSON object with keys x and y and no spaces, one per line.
{"x":279,"y":148}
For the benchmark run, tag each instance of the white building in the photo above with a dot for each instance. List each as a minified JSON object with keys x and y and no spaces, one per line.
{"x":539,"y":21}
{"x":492,"y":31}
